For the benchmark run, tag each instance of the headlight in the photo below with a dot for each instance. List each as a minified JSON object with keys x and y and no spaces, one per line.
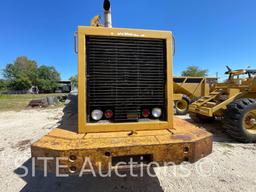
{"x":97,"y":114}
{"x":156,"y":112}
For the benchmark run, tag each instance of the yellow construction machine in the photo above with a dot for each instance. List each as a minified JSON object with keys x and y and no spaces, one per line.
{"x":125,"y":104}
{"x":233,"y":102}
{"x":189,"y":89}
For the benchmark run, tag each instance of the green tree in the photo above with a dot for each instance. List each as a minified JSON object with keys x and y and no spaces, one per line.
{"x":194,"y":71}
{"x":24,"y":73}
{"x":74,"y":80}
{"x":47,"y":78}
{"x":3,"y":85}
{"x":21,"y":74}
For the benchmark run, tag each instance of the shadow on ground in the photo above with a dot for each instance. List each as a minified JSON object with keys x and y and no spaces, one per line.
{"x":69,"y":120}
{"x":87,"y":183}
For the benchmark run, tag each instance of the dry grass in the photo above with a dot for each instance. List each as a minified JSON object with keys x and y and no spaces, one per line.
{"x":17,"y":102}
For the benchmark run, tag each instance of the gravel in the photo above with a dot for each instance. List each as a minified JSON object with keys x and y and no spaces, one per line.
{"x":231,"y":166}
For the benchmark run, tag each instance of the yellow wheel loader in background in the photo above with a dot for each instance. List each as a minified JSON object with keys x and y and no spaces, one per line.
{"x":233,"y":102}
{"x":125,"y":104}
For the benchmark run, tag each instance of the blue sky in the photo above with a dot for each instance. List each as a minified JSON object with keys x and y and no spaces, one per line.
{"x":209,"y":33}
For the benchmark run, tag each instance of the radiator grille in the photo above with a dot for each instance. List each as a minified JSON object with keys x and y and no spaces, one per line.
{"x":125,"y":75}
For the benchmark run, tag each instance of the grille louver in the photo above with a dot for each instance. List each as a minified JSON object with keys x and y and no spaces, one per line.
{"x":125,"y":75}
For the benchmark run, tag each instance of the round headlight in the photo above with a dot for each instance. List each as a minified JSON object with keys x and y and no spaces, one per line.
{"x":97,"y":114}
{"x":156,"y":112}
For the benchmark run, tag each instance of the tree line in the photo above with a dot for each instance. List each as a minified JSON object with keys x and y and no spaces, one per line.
{"x":24,"y":73}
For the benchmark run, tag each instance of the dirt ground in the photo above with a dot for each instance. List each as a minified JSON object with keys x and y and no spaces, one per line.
{"x":231,"y":166}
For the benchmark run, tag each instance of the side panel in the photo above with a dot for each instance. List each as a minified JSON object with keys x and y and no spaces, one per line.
{"x":81,"y":82}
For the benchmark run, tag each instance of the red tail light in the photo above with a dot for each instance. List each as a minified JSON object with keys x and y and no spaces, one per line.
{"x":108,"y":114}
{"x":145,"y":113}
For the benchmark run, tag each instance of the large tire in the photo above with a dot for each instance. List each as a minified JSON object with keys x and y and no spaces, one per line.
{"x":198,"y":118}
{"x":236,"y":122}
{"x":181,"y":106}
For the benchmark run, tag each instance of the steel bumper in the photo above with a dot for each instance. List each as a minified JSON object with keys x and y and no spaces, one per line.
{"x":185,"y":142}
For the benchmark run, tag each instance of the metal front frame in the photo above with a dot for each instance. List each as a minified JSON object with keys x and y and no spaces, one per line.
{"x":85,"y":127}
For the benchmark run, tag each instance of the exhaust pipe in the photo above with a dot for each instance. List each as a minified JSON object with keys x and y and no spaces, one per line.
{"x":107,"y":14}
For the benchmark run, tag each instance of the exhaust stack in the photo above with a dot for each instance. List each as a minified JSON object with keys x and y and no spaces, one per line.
{"x":107,"y":14}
